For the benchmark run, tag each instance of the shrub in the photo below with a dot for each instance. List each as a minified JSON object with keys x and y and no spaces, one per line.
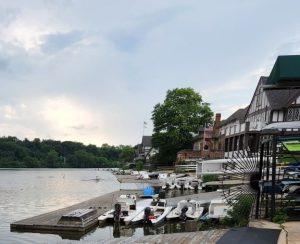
{"x":239,"y":214}
{"x":280,"y":217}
{"x":139,"y":165}
{"x":208,"y":178}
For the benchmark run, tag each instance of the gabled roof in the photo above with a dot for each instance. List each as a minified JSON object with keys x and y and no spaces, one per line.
{"x":261,"y":82}
{"x":237,"y":115}
{"x":279,"y":98}
{"x":282,"y":98}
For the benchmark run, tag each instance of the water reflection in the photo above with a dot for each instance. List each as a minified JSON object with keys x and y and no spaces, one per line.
{"x":119,"y":230}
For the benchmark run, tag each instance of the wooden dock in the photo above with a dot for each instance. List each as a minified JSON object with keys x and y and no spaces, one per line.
{"x":198,"y":237}
{"x":48,"y":222}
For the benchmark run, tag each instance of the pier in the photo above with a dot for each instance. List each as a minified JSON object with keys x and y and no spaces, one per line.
{"x":49,"y":222}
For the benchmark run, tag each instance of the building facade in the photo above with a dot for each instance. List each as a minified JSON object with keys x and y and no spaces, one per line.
{"x":206,"y":144}
{"x":242,"y":129}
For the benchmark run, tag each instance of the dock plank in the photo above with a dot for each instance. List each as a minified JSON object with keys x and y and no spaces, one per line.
{"x":205,"y":237}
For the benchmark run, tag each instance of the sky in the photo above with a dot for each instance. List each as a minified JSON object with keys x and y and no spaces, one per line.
{"x":92,"y":71}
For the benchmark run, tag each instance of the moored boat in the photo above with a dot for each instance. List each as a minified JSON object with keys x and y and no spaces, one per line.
{"x":218,"y":209}
{"x":197,"y":210}
{"x":124,"y":209}
{"x":153,"y":214}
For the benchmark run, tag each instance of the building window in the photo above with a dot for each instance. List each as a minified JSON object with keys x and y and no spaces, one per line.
{"x":293,"y":114}
{"x":277,"y":116}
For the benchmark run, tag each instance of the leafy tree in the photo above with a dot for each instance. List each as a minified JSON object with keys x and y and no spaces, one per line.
{"x":175,"y":121}
{"x":52,"y":159}
{"x":127,"y":153}
{"x":109,"y":152}
{"x":85,"y":159}
{"x":31,"y":162}
{"x":15,"y":153}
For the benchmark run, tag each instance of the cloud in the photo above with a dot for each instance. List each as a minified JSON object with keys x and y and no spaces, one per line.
{"x":134,"y":32}
{"x":77,"y":127}
{"x":7,"y":15}
{"x":4,"y":63}
{"x":92,"y":72}
{"x":53,"y":43}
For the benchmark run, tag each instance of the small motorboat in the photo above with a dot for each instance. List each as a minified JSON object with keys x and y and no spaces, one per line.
{"x":190,"y":209}
{"x":197,"y":210}
{"x":182,"y":206}
{"x":180,"y":183}
{"x":172,"y":185}
{"x":195,"y":184}
{"x":153,"y":214}
{"x":166,"y":185}
{"x":169,"y":184}
{"x":218,"y":209}
{"x":192,"y":184}
{"x":124,"y":210}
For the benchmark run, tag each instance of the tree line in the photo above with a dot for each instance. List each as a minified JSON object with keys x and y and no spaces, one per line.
{"x":15,"y":153}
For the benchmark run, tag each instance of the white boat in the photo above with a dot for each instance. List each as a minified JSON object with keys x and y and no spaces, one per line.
{"x":124,"y":210}
{"x":176,"y":212}
{"x":196,"y":184}
{"x":180,"y":183}
{"x":188,"y":185}
{"x":197,"y":210}
{"x":143,"y":175}
{"x":172,"y":185}
{"x":218,"y":209}
{"x":168,"y":184}
{"x":153,"y":214}
{"x":187,"y":210}
{"x":192,"y":184}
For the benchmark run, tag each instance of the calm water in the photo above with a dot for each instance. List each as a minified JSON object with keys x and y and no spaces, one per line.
{"x":27,"y":193}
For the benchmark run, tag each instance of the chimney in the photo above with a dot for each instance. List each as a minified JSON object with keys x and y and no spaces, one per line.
{"x":217,"y":123}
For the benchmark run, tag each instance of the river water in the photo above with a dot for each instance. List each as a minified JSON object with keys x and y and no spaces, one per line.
{"x":26,"y":193}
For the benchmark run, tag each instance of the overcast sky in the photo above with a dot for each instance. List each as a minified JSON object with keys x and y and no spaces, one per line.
{"x":92,"y":71}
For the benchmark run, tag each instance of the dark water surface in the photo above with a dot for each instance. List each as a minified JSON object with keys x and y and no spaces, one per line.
{"x":29,"y":192}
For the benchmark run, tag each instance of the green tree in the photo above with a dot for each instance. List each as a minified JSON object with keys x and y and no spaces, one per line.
{"x":175,"y":121}
{"x":85,"y":159}
{"x":31,"y":162}
{"x":127,"y":153}
{"x":15,"y":153}
{"x":52,"y":159}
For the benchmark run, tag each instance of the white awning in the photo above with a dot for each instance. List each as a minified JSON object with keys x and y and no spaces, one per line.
{"x":283,"y":125}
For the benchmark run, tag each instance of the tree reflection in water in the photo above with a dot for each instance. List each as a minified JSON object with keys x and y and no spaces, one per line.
{"x":120,"y":230}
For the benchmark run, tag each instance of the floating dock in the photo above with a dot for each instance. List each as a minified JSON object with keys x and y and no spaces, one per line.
{"x":80,"y":217}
